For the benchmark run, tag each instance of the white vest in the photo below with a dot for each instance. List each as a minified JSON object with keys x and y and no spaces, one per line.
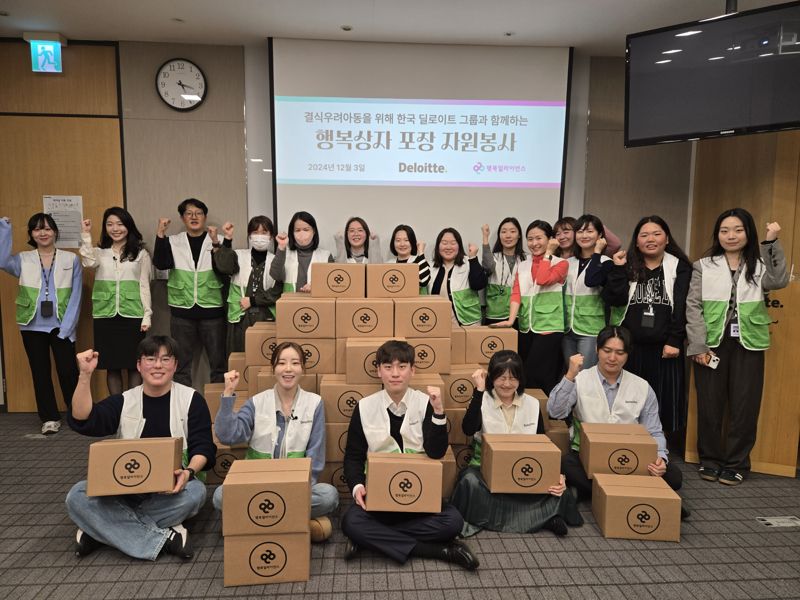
{"x":375,"y":422}
{"x":526,"y":417}
{"x":241,"y":279}
{"x":182,"y":253}
{"x":291,"y":264}
{"x":298,"y":428}
{"x":501,"y":274}
{"x":30,"y":276}
{"x":131,"y":420}
{"x":592,"y":404}
{"x":459,"y":277}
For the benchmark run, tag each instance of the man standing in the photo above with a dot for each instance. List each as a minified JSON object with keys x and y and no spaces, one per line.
{"x":194,"y":290}
{"x":143,"y":525}
{"x":399,"y":419}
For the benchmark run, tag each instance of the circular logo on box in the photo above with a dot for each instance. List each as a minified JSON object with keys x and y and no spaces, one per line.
{"x":339,"y":281}
{"x":268,"y":347}
{"x":461,"y":390}
{"x":365,"y":320}
{"x":371,"y":365}
{"x":339,"y":482}
{"x":424,"y":357}
{"x":526,"y":472}
{"x":623,"y":461}
{"x":312,"y":355}
{"x":423,"y":319}
{"x":643,"y":519}
{"x":267,"y":559}
{"x":343,"y":441}
{"x":305,"y":319}
{"x":393,"y":281}
{"x":490,"y":345}
{"x":266,"y":509}
{"x":132,"y":469}
{"x":223,"y":464}
{"x":347,"y":403}
{"x":463,"y":456}
{"x":405,"y":488}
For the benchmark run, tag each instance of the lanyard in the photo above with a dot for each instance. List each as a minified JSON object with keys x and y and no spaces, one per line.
{"x":48,"y":274}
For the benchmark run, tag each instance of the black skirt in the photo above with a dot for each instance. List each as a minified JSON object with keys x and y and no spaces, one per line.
{"x":116,"y":339}
{"x":667,"y":377}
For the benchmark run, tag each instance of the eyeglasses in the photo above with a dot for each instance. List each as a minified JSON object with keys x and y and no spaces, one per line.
{"x":166,"y":360}
{"x":507,"y":379}
{"x":193,"y":214}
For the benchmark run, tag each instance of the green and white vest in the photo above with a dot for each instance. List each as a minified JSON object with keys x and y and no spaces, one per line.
{"x":116,"y":286}
{"x":238,"y":287}
{"x":670,"y":265}
{"x":375,"y":422}
{"x":586,"y":312}
{"x":498,"y":291}
{"x":526,"y":421}
{"x":541,"y":307}
{"x":298,"y":429}
{"x":189,"y":285}
{"x":30,"y":283}
{"x":291,"y":264}
{"x":754,"y":319}
{"x":466,"y":301}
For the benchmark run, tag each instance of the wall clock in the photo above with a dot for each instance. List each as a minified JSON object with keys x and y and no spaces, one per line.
{"x":181,"y":84}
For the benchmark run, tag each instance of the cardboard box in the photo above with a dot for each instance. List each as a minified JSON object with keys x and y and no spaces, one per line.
{"x":267,"y":496}
{"x":463,"y":454}
{"x":266,"y":558}
{"x":423,"y":316}
{"x":421,"y":380}
{"x":558,"y":432}
{"x":519,"y":463}
{"x":458,"y":386}
{"x":212,"y":392}
{"x":449,"y":473}
{"x":458,"y":345}
{"x":333,"y":473}
{"x":265,"y":380}
{"x":259,"y":342}
{"x":226,"y":456}
{"x":333,"y":280}
{"x":237,"y":361}
{"x":362,"y":367}
{"x":341,"y":397}
{"x":320,"y":353}
{"x":455,"y":435}
{"x":140,"y":466}
{"x":431,"y":355}
{"x":364,"y":317}
{"x":393,"y":280}
{"x":341,"y":355}
{"x":335,"y":441}
{"x":301,"y":316}
{"x":616,"y":448}
{"x":483,"y":342}
{"x":636,"y":507}
{"x":403,"y":483}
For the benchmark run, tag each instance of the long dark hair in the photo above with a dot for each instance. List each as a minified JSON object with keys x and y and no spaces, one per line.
{"x":582,"y":222}
{"x":39,"y":220}
{"x":133,"y":243}
{"x":363,"y":224}
{"x":412,"y":239}
{"x":305,"y":218}
{"x":750,"y":252}
{"x":636,"y":267}
{"x":437,"y":258}
{"x":518,"y":250}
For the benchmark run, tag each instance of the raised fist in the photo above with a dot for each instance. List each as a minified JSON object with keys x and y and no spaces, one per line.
{"x":86,"y":226}
{"x":227,"y":230}
{"x":620,"y":258}
{"x":283,"y":240}
{"x":163,"y":224}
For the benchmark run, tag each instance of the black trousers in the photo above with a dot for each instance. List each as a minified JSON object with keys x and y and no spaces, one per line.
{"x":38,"y":346}
{"x":194,"y":334}
{"x":734,"y":386}
{"x":576,"y":476}
{"x":543,"y":361}
{"x":396,"y":534}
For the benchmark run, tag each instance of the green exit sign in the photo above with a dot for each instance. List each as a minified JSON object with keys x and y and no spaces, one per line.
{"x":45,"y":56}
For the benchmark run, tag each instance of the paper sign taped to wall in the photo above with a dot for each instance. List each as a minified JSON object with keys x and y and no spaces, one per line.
{"x":67,"y":212}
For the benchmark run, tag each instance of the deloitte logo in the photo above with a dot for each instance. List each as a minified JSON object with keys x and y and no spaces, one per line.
{"x":268,"y":559}
{"x":311,"y":352}
{"x":623,"y":461}
{"x":347,"y":403}
{"x":393,"y":281}
{"x":339,"y":281}
{"x":461,"y":390}
{"x":526,"y":472}
{"x":490,"y":345}
{"x":405,"y":488}
{"x":305,"y":319}
{"x":131,"y":469}
{"x":425,"y":357}
{"x":365,"y":320}
{"x":266,"y":509}
{"x":423,"y":320}
{"x":643,"y":519}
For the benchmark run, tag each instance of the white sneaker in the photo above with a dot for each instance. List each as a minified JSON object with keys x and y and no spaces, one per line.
{"x":50,"y":427}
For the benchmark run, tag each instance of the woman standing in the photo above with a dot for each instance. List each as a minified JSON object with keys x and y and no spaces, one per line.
{"x":499,"y":405}
{"x":728,"y":330}
{"x":48,"y":307}
{"x":402,"y":246}
{"x":353,"y":246}
{"x":501,"y":265}
{"x":121,"y":307}
{"x":564,"y":231}
{"x":292,"y":266}
{"x":647,"y":286}
{"x":457,"y":279}
{"x":252,"y":293}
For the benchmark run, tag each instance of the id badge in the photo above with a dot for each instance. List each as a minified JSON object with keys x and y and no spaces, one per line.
{"x":735,"y":329}
{"x":649,"y":317}
{"x":46,"y":308}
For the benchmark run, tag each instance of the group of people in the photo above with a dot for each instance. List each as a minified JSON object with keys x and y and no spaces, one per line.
{"x":583,"y":307}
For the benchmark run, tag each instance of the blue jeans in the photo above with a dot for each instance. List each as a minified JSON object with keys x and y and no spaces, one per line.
{"x":137,"y":524}
{"x":574,"y":343}
{"x":324,"y":499}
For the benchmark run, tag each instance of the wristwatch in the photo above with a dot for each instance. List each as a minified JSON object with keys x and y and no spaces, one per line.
{"x":191,"y":472}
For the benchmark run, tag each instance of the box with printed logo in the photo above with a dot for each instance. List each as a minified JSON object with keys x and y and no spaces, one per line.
{"x":555,"y":429}
{"x":403,"y":483}
{"x":301,"y":316}
{"x":226,"y":456}
{"x":364,"y":317}
{"x":335,"y":441}
{"x":463,"y":454}
{"x":431,"y":355}
{"x":237,"y":361}
{"x":212,"y":392}
{"x":636,"y":507}
{"x":266,"y":558}
{"x":483,"y":342}
{"x":341,"y":355}
{"x":616,"y":449}
{"x":393,"y":280}
{"x":259,"y":342}
{"x":423,"y":316}
{"x":267,"y":496}
{"x":334,"y":280}
{"x":458,"y":346}
{"x":455,"y":434}
{"x":341,"y":397}
{"x":333,"y":473}
{"x":139,"y":466}
{"x":265,"y":380}
{"x":362,"y":365}
{"x":320,"y":354}
{"x":458,"y":386}
{"x":519,"y":463}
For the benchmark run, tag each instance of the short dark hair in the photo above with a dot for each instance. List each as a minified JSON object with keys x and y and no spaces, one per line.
{"x":276,"y":354}
{"x":306,"y":218}
{"x":261,"y":221}
{"x":539,"y":224}
{"x":412,"y":239}
{"x":581,"y":223}
{"x":192,"y":202}
{"x":506,"y":361}
{"x":395,"y":350}
{"x":150,"y":346}
{"x":620,"y":333}
{"x":364,"y":225}
{"x":40,"y":220}
{"x":437,"y":258}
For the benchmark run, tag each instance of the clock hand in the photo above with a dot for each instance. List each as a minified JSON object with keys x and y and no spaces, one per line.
{"x":180,"y":83}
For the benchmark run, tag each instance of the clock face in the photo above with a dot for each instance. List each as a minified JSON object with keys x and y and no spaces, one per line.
{"x":181,"y":84}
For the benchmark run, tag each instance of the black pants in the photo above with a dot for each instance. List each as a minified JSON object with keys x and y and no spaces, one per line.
{"x":37,"y":347}
{"x":543,"y":362}
{"x":396,"y":534}
{"x":194,"y":334}
{"x":736,"y":386}
{"x":576,"y":477}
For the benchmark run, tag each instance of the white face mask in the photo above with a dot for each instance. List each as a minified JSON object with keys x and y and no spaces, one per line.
{"x":260,"y":242}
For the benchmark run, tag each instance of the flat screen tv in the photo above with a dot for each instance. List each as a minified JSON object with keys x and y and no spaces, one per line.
{"x":728,"y":75}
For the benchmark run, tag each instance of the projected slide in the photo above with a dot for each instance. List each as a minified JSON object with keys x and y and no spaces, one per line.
{"x":403,"y":142}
